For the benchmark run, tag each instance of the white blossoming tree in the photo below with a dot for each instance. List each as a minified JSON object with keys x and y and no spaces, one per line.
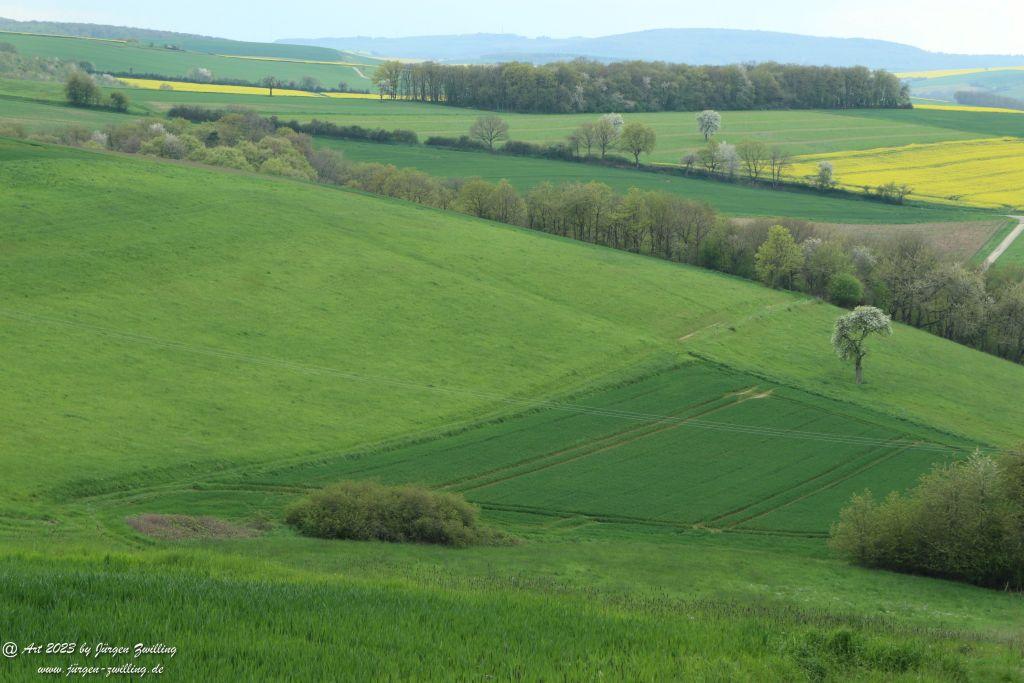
{"x":852,"y":331}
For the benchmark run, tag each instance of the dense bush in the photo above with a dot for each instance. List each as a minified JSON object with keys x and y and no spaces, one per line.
{"x":330,"y":130}
{"x":529,"y":149}
{"x":15,"y":65}
{"x":366,"y":511}
{"x":195,"y":113}
{"x":963,"y":521}
{"x":462,"y":142}
{"x":81,"y":90}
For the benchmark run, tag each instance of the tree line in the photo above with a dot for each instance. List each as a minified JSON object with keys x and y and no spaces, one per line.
{"x":636,"y":86}
{"x":904,"y":276}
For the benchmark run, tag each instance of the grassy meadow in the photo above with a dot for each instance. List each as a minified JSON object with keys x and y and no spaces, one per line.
{"x":120,"y":56}
{"x":260,"y":337}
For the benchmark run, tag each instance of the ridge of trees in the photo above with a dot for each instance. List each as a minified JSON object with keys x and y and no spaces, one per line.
{"x":636,"y":86}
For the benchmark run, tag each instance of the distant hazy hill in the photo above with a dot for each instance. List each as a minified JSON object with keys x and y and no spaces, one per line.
{"x":695,"y":46}
{"x":185,"y":41}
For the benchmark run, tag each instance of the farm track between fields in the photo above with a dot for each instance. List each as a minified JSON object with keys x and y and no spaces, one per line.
{"x":1005,"y":244}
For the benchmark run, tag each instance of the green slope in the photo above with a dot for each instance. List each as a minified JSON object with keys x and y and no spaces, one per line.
{"x":118,"y":56}
{"x":186,"y":340}
{"x":256,"y":267}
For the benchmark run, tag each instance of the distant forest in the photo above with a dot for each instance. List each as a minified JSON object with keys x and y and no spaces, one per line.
{"x":589,"y":86}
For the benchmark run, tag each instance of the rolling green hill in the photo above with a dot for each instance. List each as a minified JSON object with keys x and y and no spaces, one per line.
{"x":184,"y":41}
{"x":123,"y":57}
{"x":39,"y":106}
{"x":182,"y":340}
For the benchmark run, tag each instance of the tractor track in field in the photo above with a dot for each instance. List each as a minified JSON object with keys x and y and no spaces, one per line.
{"x":631,"y":436}
{"x":831,"y":484}
{"x":606,"y":518}
{"x":788,"y":489}
{"x":597,"y":442}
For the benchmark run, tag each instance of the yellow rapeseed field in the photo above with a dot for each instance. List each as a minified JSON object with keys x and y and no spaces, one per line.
{"x":152,"y":84}
{"x":939,"y":73}
{"x":966,"y":107}
{"x":985,"y":173}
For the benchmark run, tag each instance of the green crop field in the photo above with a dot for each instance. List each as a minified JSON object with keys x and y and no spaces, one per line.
{"x":667,"y":445}
{"x":116,"y":56}
{"x":735,"y":199}
{"x":661,"y":449}
{"x":799,"y":132}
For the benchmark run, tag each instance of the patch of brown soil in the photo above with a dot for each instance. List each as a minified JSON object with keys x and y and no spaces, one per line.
{"x":182,"y":527}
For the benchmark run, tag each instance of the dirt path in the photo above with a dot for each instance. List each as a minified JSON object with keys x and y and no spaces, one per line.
{"x":1005,"y":244}
{"x":360,"y":73}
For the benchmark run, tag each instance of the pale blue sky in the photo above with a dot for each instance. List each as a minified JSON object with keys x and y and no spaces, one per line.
{"x":977,"y":26}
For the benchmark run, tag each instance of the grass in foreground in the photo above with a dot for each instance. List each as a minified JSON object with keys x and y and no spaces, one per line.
{"x":232,"y":626}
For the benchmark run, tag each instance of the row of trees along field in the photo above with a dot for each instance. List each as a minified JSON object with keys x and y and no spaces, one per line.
{"x":589,"y":86}
{"x":905,"y":276}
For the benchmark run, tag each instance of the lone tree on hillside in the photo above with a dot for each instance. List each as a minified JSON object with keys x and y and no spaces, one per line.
{"x":779,"y":259}
{"x":586,"y":136}
{"x":606,"y":132}
{"x":708,"y":123}
{"x":81,"y":90}
{"x":270,"y":82}
{"x":778,"y":161}
{"x":489,"y":129}
{"x":851,"y":333}
{"x":825,"y":179}
{"x":754,"y":154}
{"x":118,"y":101}
{"x":637,"y":139}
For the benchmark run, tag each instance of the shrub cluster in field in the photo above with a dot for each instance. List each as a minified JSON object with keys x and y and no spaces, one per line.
{"x":963,"y":521}
{"x":15,"y":65}
{"x":366,"y":511}
{"x":82,"y":90}
{"x":240,"y":140}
